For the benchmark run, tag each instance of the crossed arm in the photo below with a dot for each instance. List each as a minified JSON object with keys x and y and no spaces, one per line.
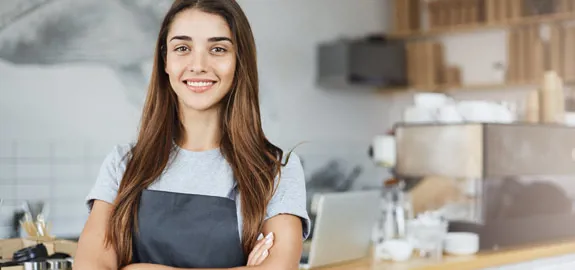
{"x":93,"y":255}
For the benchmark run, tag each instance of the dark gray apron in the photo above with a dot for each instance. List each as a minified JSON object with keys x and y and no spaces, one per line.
{"x":188,"y":231}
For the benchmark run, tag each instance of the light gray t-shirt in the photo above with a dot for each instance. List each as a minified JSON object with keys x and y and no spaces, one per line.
{"x":206,"y":173}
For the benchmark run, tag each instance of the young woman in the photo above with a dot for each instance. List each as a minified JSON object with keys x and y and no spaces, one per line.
{"x":201,"y":182}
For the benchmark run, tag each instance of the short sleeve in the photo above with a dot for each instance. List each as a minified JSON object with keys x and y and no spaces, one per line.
{"x":108,"y":180}
{"x":290,"y":195}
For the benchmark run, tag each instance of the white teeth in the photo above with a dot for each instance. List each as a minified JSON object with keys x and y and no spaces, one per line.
{"x":199,"y":84}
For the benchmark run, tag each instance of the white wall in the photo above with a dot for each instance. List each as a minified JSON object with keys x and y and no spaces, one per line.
{"x":57,"y":122}
{"x":477,"y":54}
{"x":287,"y":33}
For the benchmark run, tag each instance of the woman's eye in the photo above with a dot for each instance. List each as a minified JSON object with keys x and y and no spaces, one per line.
{"x":181,"y":49}
{"x":218,"y":50}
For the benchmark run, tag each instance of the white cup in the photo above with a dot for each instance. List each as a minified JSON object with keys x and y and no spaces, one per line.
{"x":461,"y":243}
{"x":398,"y":249}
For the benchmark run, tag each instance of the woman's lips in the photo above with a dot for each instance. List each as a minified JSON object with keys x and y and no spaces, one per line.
{"x":199,"y":86}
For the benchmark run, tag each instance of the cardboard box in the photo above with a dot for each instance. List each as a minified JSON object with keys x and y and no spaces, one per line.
{"x":9,"y":246}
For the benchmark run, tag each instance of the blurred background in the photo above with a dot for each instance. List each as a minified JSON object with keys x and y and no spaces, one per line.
{"x":336,"y":74}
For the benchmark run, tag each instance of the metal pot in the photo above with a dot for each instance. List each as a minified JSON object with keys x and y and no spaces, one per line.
{"x":60,"y":264}
{"x":36,"y":265}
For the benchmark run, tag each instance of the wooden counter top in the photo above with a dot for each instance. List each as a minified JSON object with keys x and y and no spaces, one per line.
{"x":478,"y":261}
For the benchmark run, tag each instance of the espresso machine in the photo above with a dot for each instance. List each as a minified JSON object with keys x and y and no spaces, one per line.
{"x":517,"y":181}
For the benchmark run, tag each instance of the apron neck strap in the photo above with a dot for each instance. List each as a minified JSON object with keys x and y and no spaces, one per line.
{"x":233,"y":192}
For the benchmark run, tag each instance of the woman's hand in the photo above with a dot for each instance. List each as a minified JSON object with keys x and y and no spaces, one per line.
{"x":147,"y":266}
{"x":144,"y":266}
{"x":261,"y":250}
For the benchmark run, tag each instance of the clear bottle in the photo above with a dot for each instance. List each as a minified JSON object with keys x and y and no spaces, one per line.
{"x":396,"y":211}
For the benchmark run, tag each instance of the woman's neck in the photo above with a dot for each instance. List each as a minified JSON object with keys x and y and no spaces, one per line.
{"x":201,"y":129}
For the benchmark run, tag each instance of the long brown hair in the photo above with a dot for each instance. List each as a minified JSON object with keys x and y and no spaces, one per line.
{"x":255,"y":161}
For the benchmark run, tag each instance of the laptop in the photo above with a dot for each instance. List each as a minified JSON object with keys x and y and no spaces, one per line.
{"x":343,"y":226}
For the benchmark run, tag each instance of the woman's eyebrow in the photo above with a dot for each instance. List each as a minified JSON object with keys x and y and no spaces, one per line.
{"x":182,"y":37}
{"x":212,"y":39}
{"x":216,"y":39}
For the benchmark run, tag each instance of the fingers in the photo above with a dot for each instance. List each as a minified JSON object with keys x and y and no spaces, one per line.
{"x":253,"y":254}
{"x":263,"y":256}
{"x":260,"y":250}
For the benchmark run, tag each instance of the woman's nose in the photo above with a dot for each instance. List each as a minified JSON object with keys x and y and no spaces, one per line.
{"x":198,"y":62}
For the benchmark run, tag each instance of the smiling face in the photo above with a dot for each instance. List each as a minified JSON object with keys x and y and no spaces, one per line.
{"x":200,"y":59}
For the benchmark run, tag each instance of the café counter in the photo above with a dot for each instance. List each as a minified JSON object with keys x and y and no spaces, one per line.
{"x":480,"y":260}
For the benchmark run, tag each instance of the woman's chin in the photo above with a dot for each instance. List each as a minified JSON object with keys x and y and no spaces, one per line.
{"x":195,"y":106}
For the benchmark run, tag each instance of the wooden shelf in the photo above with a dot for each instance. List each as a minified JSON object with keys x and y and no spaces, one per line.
{"x":558,"y":17}
{"x":487,"y":86}
{"x":471,"y":87}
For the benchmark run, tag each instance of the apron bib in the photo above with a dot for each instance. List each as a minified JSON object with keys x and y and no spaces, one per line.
{"x":188,"y":231}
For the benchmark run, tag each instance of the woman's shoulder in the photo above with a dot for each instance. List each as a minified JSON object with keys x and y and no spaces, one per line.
{"x":121,"y":150}
{"x":293,"y":166}
{"x":290,"y":194}
{"x":117,"y":157}
{"x":110,"y":175}
{"x":292,"y":177}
